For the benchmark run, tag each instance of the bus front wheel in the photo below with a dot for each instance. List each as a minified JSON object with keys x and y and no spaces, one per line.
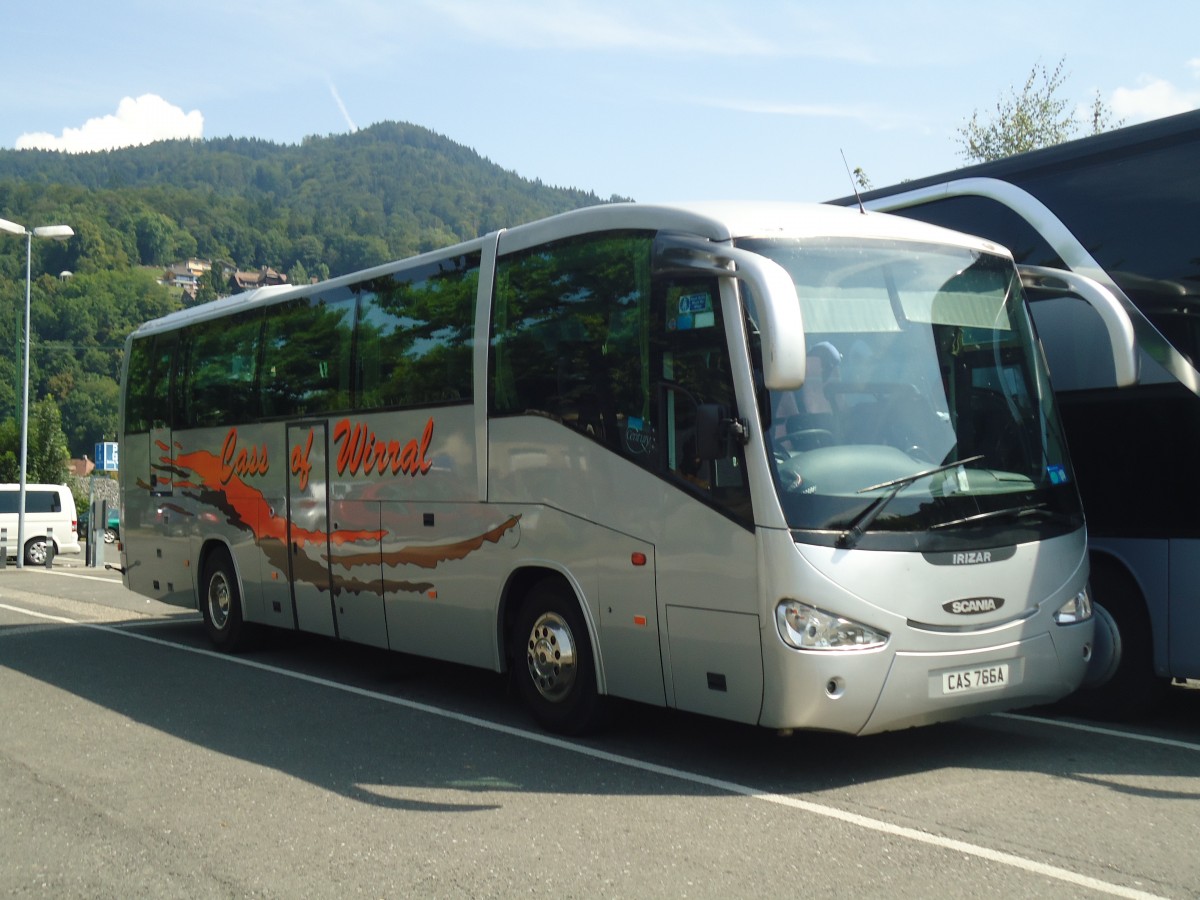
{"x":553,"y":664}
{"x":221,"y":603}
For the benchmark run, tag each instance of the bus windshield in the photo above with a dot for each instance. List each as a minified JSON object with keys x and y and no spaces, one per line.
{"x":926,"y":407}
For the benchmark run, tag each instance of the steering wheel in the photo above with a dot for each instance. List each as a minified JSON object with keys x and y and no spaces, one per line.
{"x":810,"y":438}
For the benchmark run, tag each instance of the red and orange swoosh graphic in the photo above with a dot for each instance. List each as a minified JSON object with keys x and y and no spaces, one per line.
{"x":203,"y":476}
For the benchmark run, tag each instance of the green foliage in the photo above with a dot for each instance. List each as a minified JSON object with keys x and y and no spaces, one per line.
{"x":90,"y":411}
{"x":46,"y":453}
{"x":322,"y":208}
{"x":1035,"y":117}
{"x":10,"y":450}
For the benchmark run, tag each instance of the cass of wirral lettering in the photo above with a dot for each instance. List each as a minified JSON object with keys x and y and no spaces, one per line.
{"x":220,"y":479}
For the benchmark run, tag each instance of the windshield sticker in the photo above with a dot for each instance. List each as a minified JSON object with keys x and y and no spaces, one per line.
{"x":694,"y":311}
{"x":639,"y":436}
{"x":1058,"y":474}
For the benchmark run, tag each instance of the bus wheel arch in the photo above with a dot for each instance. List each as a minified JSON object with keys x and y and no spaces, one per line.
{"x":550,"y":653}
{"x":1133,"y":687}
{"x":220,"y":597}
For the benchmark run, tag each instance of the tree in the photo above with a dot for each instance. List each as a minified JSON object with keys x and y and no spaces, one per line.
{"x":46,"y":457}
{"x":212,"y":285}
{"x":297,"y":274}
{"x":155,"y":234}
{"x":90,"y":412}
{"x":1035,"y":117}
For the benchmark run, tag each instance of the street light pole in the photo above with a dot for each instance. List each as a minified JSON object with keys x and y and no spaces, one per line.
{"x":58,"y":233}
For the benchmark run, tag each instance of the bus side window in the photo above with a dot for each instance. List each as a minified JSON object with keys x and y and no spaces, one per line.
{"x":306,"y":356}
{"x":147,"y":403}
{"x":415,"y":334}
{"x":223,"y":355}
{"x":570,"y":339}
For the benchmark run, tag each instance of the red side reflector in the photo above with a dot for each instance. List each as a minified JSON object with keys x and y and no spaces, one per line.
{"x":638,"y":559}
{"x":639,"y":620}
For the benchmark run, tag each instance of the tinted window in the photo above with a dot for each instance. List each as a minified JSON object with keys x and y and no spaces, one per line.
{"x":148,"y":381}
{"x":306,"y":355}
{"x":570,"y":336}
{"x":36,"y":501}
{"x":217,"y":386}
{"x":582,"y":335}
{"x":415,"y":335}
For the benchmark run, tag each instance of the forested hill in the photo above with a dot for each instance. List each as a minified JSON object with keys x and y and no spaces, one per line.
{"x":332,"y":204}
{"x":327,"y":206}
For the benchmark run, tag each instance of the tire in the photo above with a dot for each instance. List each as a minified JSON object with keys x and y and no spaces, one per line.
{"x":221,"y":603}
{"x":553,"y":664}
{"x":1133,"y":689}
{"x":110,"y":536}
{"x":35,"y":551}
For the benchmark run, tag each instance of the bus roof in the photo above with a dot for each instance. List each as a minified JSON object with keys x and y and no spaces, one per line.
{"x":729,"y":220}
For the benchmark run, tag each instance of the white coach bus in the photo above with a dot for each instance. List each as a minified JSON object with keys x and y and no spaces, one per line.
{"x":593,"y":451}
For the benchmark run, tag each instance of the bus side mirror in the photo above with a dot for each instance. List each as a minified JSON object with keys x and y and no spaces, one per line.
{"x":781,"y":326}
{"x":1123,"y":345}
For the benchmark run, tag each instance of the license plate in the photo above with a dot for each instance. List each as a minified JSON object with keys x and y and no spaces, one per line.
{"x":979,"y":678}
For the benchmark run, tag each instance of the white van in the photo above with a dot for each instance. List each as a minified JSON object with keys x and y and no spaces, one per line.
{"x":49,"y":510}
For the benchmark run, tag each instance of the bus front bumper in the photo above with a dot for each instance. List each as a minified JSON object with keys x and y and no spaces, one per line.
{"x":920,"y":688}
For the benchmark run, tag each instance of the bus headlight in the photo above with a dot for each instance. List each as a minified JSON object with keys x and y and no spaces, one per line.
{"x":808,"y":628}
{"x":1077,"y":609}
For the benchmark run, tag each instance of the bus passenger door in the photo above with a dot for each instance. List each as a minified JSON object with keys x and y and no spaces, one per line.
{"x":158,"y":516}
{"x":308,"y":528}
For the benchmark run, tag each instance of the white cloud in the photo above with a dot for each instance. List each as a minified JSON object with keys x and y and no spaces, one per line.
{"x":1154,"y":98}
{"x":143,"y":120}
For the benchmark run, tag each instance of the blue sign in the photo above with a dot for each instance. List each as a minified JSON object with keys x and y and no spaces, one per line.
{"x":106,"y":456}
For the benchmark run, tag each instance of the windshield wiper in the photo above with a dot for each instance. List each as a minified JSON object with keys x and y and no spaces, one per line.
{"x":863,"y":520}
{"x":1015,"y":511}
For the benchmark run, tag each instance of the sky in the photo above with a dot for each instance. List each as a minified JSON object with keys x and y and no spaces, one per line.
{"x":657,"y":100}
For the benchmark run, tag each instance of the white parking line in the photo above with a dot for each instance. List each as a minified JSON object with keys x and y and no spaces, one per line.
{"x":42,"y":570}
{"x":830,"y":812}
{"x":1097,"y":729}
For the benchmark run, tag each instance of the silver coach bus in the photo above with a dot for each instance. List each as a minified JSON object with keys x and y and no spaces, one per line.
{"x":781,"y":464}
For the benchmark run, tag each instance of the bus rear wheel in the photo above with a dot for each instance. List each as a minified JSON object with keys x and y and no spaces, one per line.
{"x":553,"y":664}
{"x":221,"y":603}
